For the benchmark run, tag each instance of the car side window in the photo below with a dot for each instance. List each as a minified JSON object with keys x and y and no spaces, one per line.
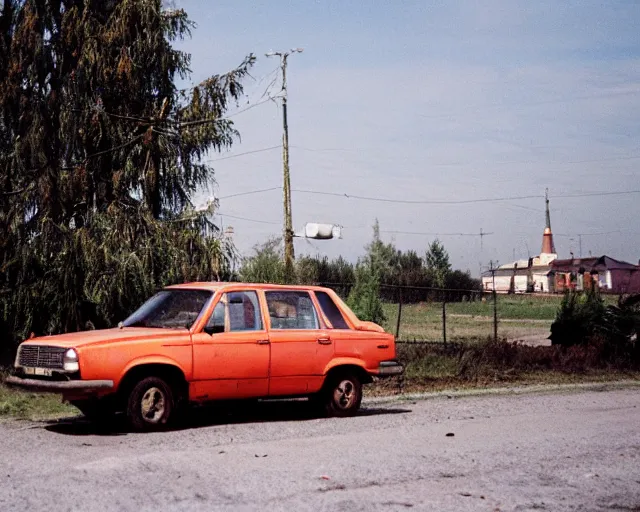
{"x":244,"y":311}
{"x":291,"y":310}
{"x":236,"y":311}
{"x":216,"y":322}
{"x":331,"y":311}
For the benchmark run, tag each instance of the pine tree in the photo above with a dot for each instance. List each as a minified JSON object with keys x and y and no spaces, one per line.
{"x":437,"y":263}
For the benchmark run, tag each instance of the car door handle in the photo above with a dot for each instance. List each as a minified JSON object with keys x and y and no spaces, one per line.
{"x":262,"y":342}
{"x":324,"y":341}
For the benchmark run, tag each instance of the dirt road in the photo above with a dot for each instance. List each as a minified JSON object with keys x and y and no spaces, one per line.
{"x":562,"y":451}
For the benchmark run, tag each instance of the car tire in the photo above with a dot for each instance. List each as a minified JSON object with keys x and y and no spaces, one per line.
{"x":150,"y":405}
{"x":341,"y":395}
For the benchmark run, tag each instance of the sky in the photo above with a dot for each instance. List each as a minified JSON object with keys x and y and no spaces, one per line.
{"x":433,"y":101}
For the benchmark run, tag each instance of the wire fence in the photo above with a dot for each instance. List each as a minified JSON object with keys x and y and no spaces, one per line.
{"x":449,"y":316}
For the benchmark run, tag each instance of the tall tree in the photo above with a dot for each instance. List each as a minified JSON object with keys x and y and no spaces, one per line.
{"x":437,"y":263}
{"x":100,"y":153}
{"x":364,"y":297}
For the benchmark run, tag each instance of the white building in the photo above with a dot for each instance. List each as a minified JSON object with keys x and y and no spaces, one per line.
{"x":526,"y":276}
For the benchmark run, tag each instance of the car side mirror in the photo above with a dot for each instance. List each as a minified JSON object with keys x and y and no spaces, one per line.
{"x":213,"y":329}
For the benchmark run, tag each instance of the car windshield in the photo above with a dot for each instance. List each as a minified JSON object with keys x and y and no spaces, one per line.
{"x":170,"y":309}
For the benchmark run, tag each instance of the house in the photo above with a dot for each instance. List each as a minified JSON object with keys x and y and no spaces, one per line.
{"x":545,"y":273}
{"x":522,"y":276}
{"x":604,"y":273}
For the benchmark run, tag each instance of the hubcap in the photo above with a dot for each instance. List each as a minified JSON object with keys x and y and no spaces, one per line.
{"x":153,"y":404}
{"x":344,"y":395}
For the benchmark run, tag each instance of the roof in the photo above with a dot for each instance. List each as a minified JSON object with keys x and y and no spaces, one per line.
{"x":514,"y":264}
{"x":594,"y":263}
{"x":216,"y":285}
{"x":520,"y":271}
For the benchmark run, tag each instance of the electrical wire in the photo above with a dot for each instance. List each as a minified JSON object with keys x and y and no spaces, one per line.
{"x":414,"y":201}
{"x":247,"y":219}
{"x":271,"y":148}
{"x":433,"y":234}
{"x":251,"y":192}
{"x":462,"y":201}
{"x":597,"y":194}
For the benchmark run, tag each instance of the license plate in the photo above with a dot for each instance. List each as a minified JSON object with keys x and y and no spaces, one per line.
{"x":45,"y":372}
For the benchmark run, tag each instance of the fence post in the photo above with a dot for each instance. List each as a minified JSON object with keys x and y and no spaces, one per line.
{"x":444,"y":321}
{"x":399,"y":314}
{"x":495,"y":304}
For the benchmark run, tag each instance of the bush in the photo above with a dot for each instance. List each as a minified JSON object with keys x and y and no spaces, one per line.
{"x":266,"y":264}
{"x":620,"y":330}
{"x":578,"y":318}
{"x":364,"y":299}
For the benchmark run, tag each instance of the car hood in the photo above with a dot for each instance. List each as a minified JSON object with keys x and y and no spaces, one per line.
{"x":83,"y":338}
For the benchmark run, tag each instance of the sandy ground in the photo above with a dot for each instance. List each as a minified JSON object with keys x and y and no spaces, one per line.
{"x":556,"y":451}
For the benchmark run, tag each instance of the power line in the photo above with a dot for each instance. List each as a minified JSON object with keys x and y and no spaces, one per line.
{"x":601,"y":233}
{"x":251,"y":192}
{"x":247,"y":219}
{"x":462,"y":201}
{"x":197,"y":122}
{"x":412,"y":201}
{"x":271,"y":148}
{"x":433,"y":234}
{"x":597,"y":194}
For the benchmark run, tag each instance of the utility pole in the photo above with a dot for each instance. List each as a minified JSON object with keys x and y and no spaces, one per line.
{"x":580,"y":244}
{"x":495,"y":303}
{"x":288,"y":221}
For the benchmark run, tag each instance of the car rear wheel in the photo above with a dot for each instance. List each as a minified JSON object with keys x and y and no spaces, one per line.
{"x":150,"y":404}
{"x":342,"y":395}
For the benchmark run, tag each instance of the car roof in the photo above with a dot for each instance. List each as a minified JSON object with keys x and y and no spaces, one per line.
{"x":216,"y":285}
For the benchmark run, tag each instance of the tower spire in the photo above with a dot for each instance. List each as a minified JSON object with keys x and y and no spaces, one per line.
{"x":548,"y":215}
{"x":548,"y":246}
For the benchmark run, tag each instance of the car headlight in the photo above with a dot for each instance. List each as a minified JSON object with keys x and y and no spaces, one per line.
{"x":70,"y":361}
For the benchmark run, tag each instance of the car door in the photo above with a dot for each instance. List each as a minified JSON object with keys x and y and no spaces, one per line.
{"x":300,"y":347}
{"x":231,"y":355}
{"x":366,"y":346}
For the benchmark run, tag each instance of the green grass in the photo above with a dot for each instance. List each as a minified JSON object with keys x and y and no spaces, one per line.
{"x":31,"y":406}
{"x":434,"y":367}
{"x":518,"y":316}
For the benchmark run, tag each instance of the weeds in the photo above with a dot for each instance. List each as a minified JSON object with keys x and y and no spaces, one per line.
{"x":21,"y":405}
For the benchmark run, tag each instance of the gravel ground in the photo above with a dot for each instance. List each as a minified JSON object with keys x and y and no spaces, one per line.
{"x":575,"y":450}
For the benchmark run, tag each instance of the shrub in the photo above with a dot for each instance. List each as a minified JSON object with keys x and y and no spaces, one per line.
{"x":620,"y":329}
{"x":364,"y":299}
{"x":578,"y":317}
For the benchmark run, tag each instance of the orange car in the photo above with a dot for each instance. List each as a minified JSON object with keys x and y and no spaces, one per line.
{"x":213,"y":341}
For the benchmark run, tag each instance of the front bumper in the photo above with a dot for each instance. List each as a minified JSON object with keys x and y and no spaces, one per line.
{"x":390,"y":368}
{"x":59,"y":386}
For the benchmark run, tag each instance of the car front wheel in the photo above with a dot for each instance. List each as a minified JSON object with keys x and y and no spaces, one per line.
{"x":342,"y":395}
{"x":150,"y":404}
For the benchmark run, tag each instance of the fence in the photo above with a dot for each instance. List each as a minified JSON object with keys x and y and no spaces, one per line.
{"x":436,"y":315}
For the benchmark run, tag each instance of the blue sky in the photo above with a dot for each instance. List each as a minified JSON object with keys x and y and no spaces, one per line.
{"x":439,"y":101}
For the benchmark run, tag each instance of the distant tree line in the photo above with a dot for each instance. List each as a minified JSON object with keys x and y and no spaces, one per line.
{"x":383,"y":271}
